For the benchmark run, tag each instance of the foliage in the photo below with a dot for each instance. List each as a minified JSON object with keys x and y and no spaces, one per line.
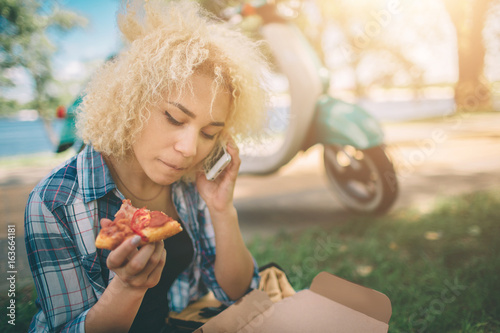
{"x":375,"y":44}
{"x":440,"y":270}
{"x":8,"y":107}
{"x":24,"y":42}
{"x":394,"y":43}
{"x":381,"y":43}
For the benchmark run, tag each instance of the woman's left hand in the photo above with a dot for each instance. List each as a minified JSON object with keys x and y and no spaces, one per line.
{"x":218,"y":193}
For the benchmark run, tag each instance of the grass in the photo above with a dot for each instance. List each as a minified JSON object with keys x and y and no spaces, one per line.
{"x":440,"y":269}
{"x":25,"y":308}
{"x":35,"y":160}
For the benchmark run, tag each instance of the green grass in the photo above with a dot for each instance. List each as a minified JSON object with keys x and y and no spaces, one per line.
{"x":25,"y":309}
{"x":440,"y":269}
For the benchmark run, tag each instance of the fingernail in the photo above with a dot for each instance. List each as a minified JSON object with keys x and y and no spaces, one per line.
{"x":136,"y":240}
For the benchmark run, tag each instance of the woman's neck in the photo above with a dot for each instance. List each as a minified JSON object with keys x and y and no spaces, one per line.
{"x":135,"y":185}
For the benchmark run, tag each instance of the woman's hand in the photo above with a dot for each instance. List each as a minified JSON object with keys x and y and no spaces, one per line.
{"x":138,"y":269}
{"x":218,"y":193}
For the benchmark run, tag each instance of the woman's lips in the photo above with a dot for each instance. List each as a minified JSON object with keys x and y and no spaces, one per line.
{"x":177,"y":168}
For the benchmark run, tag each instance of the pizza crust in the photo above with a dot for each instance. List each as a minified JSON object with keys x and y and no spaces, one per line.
{"x":167,"y":230}
{"x":111,"y":242}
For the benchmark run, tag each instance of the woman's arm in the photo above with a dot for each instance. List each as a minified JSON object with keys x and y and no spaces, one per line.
{"x":234,"y":266}
{"x":57,"y":271}
{"x":136,"y":272}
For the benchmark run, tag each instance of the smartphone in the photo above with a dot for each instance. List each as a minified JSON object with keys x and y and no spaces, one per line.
{"x":221,"y":161}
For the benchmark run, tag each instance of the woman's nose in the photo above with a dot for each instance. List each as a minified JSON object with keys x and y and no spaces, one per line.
{"x":187,"y":144}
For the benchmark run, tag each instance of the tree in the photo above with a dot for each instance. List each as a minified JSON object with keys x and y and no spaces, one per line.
{"x":8,"y":107}
{"x":368,"y":42}
{"x":472,"y":91}
{"x":25,"y":42}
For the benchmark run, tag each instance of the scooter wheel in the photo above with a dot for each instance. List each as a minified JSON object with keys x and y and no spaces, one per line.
{"x":363,"y":179}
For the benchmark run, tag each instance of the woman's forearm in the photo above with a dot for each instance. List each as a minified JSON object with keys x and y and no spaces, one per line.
{"x":233,"y":264}
{"x":136,"y":270}
{"x":116,"y":309}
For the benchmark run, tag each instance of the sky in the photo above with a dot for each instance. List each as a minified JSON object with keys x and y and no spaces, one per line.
{"x":79,"y":48}
{"x":95,"y":41}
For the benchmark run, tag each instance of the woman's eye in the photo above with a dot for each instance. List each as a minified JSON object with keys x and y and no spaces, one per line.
{"x":172,"y":120}
{"x":209,"y":136}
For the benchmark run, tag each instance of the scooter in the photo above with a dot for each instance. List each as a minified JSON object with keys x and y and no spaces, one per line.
{"x":355,"y":158}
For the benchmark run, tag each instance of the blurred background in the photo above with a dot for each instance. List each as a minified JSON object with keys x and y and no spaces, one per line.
{"x":428,"y":71}
{"x":400,"y":59}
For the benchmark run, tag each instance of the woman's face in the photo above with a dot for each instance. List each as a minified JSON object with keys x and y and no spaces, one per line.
{"x":181,"y":132}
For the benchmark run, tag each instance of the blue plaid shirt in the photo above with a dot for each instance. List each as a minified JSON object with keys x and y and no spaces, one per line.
{"x":61,"y":223}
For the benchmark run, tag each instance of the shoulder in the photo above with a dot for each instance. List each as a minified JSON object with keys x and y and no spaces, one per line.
{"x":84,"y":177}
{"x":59,"y":187}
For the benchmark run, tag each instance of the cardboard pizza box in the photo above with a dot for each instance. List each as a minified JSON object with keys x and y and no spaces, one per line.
{"x":331,"y":304}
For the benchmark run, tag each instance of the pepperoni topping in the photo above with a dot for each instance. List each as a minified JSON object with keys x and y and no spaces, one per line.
{"x":158,"y":219}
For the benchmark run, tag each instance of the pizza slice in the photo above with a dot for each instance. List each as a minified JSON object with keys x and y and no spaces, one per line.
{"x":129,"y":221}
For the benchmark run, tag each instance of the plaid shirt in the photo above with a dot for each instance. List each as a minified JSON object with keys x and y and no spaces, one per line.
{"x":61,"y":223}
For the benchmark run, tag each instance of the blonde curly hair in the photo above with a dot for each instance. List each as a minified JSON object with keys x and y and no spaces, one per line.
{"x":169,"y":42}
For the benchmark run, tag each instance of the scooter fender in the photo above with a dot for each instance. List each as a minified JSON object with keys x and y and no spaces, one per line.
{"x":339,"y":122}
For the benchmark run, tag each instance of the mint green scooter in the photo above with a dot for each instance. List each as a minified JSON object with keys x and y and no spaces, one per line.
{"x":355,"y":158}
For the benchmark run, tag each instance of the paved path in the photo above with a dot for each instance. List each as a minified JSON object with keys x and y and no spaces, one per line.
{"x":445,"y":156}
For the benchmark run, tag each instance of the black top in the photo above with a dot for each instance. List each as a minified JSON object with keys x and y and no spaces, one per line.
{"x":154,"y":307}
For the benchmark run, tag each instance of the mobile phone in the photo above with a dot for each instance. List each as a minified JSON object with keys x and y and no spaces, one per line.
{"x":221,"y":161}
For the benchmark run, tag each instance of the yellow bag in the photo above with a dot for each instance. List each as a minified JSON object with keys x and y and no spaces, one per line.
{"x":272,"y":280}
{"x":275,"y":283}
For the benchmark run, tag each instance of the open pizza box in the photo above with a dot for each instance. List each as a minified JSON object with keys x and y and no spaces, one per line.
{"x":331,"y":304}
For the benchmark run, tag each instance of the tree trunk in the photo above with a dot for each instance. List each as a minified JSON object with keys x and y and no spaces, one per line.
{"x":51,"y":134}
{"x":41,"y":105}
{"x":472,"y":91}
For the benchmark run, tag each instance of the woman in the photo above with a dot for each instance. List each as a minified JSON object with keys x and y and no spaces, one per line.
{"x":151,"y":119}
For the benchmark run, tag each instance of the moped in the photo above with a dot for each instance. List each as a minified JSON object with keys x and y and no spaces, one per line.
{"x":355,"y":158}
